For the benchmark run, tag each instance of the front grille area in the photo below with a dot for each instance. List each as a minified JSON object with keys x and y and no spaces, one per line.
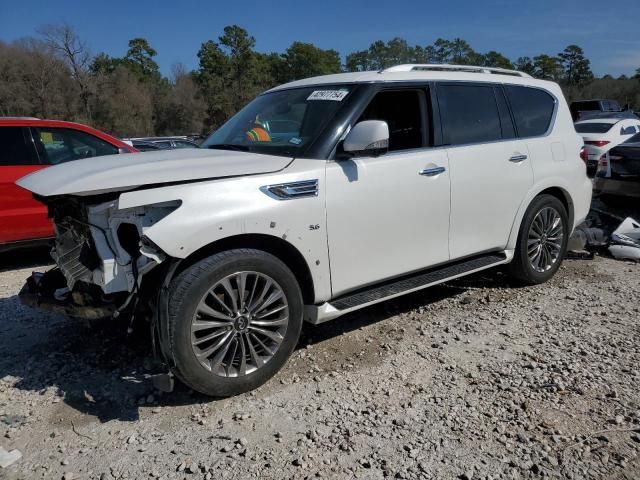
{"x":74,"y":255}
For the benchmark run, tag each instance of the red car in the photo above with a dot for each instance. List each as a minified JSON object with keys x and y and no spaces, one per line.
{"x":27,"y":145}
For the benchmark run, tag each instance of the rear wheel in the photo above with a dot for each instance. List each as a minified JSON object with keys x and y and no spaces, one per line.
{"x":234,"y":319}
{"x":542,"y":241}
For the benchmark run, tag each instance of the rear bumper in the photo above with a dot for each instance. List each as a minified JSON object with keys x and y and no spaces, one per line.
{"x":45,"y":292}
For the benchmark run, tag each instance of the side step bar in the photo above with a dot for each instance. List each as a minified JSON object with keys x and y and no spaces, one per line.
{"x":400,"y":286}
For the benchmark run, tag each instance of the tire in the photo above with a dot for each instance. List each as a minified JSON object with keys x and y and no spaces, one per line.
{"x":533,"y":271}
{"x":201,"y":316}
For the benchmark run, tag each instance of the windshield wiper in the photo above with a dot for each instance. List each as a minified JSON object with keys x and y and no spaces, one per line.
{"x":229,"y":146}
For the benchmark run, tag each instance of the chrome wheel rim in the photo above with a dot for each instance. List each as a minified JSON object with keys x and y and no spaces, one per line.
{"x":544,"y":242}
{"x":239,"y":324}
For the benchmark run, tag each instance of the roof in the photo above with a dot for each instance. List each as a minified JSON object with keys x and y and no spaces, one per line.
{"x":425,"y":72}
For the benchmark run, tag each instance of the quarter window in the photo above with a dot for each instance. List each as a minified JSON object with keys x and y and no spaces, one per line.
{"x":630,"y":130}
{"x":532,"y":109}
{"x":60,"y":145}
{"x":469,"y":114}
{"x":17,"y":148}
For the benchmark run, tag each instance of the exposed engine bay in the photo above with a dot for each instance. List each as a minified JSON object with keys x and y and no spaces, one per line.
{"x":101,"y":253}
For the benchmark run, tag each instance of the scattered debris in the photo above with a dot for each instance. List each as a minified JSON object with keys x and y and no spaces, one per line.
{"x":625,"y":240}
{"x":9,"y":458}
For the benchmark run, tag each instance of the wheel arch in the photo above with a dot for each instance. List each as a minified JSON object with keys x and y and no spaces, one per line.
{"x":555,"y":190}
{"x":276,"y":246}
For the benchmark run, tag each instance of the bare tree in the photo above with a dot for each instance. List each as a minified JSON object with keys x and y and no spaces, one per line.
{"x":69,"y":47}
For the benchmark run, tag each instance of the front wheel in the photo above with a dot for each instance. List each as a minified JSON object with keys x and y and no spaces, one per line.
{"x":542,"y":241}
{"x":234,"y":320}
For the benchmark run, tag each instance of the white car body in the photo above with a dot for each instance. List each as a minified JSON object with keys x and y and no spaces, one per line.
{"x":599,"y":143}
{"x":368,"y":220}
{"x":320,"y":197}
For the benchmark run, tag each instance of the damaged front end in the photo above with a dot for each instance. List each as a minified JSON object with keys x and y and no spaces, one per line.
{"x":101,"y":255}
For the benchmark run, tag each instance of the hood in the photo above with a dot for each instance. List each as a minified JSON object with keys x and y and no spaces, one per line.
{"x":95,"y":175}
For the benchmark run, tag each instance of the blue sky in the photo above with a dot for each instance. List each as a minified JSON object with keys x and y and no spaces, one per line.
{"x":608,"y":32}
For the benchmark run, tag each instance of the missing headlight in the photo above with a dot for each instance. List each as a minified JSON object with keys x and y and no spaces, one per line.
{"x":129,"y":239}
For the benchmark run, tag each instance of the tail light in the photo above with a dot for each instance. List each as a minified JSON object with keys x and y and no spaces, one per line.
{"x":584,"y":155}
{"x":598,"y":143}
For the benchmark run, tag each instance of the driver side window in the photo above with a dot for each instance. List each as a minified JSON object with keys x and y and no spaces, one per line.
{"x":60,"y":145}
{"x":403,"y":112}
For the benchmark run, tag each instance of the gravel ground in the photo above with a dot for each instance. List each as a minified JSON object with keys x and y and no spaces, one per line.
{"x":473,"y":379}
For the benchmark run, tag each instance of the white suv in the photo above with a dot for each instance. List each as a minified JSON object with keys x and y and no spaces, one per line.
{"x":320,"y":197}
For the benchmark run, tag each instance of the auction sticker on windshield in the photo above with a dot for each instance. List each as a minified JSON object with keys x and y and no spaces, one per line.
{"x":333,"y":95}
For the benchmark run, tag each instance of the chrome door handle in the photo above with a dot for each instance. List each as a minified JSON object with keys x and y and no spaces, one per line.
{"x":518,"y":158}
{"x":432,"y":172}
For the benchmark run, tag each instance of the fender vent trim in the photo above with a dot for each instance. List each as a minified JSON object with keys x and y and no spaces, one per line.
{"x":292,"y":190}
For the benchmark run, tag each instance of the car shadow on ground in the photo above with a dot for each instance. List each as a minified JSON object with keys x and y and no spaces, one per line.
{"x":100,"y":370}
{"x":25,"y":258}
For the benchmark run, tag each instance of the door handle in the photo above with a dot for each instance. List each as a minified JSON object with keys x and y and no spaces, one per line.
{"x":518,"y":158}
{"x":432,"y":172}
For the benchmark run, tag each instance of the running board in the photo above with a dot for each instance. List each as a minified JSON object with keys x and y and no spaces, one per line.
{"x":400,"y":286}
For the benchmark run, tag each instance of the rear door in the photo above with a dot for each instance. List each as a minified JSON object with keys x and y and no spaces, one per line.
{"x":489,"y":167}
{"x":21,"y":217}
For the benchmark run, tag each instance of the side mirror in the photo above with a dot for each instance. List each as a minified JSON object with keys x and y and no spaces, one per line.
{"x":369,"y":137}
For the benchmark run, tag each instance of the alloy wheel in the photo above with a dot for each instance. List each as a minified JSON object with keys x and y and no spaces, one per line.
{"x":545,"y":238}
{"x":239,"y":324}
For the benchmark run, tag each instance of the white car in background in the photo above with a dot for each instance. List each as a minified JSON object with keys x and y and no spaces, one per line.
{"x":602,"y":134}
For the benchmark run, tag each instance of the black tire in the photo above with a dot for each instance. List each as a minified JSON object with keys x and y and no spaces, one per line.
{"x":521,"y":268}
{"x":187,"y":290}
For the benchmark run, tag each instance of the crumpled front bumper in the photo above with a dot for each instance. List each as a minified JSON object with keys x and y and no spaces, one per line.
{"x":40,"y":290}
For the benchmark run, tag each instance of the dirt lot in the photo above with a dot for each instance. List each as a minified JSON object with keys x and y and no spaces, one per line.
{"x":473,"y":379}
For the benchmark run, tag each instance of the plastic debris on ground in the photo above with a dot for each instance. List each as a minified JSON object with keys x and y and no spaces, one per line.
{"x":8,"y":458}
{"x":606,"y":232}
{"x":625,"y":240}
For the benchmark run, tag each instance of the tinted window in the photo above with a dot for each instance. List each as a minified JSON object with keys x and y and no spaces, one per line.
{"x":585,"y":106}
{"x":469,"y":114}
{"x":593,"y":127}
{"x":59,"y":145}
{"x":401,"y":109}
{"x":634,"y":139}
{"x":532,"y":109}
{"x":628,"y":130}
{"x":16,"y":147}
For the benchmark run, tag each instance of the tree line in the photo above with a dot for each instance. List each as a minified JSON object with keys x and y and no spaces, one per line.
{"x":54,"y":75}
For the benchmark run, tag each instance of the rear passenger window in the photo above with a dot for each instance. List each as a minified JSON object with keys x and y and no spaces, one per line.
{"x":469,"y":114}
{"x":630,"y":130}
{"x":16,"y":147}
{"x":532,"y":109}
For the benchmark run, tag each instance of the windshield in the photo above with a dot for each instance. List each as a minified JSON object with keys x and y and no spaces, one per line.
{"x":282,"y":123}
{"x":593,"y":127}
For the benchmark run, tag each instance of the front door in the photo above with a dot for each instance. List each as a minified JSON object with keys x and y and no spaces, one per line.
{"x":21,"y":217}
{"x":389,"y":215}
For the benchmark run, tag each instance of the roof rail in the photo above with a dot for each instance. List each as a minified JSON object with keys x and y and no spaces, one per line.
{"x":444,"y":67}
